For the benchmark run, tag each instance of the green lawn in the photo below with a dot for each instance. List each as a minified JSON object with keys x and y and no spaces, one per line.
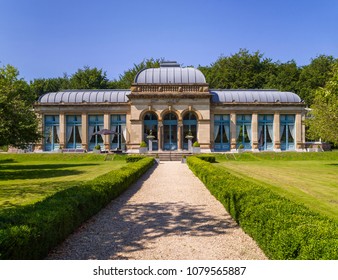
{"x":301,"y":178}
{"x":28,"y":178}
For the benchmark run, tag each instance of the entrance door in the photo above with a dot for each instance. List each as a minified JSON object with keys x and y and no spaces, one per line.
{"x":170,"y":132}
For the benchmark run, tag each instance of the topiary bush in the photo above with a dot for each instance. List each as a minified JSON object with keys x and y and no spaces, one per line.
{"x":282,"y":228}
{"x":30,"y":232}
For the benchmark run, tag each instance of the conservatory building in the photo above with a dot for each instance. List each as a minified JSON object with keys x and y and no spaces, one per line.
{"x":167,"y":104}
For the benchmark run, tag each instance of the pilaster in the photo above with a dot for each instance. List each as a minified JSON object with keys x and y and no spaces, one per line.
{"x":276,"y":132}
{"x":233,"y":132}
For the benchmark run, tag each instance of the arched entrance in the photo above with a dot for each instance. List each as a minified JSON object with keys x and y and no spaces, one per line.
{"x":189,"y":127}
{"x":170,"y":132}
{"x":150,"y":123}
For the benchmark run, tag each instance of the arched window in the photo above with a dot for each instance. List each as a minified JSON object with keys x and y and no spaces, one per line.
{"x":170,"y":132}
{"x":150,"y":125}
{"x":189,"y":127}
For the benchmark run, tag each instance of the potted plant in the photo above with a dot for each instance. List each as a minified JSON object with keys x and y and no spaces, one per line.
{"x":157,"y":158}
{"x":143,"y":147}
{"x":184,"y":159}
{"x":240,"y":148}
{"x":196,"y":148}
{"x":97,"y":149}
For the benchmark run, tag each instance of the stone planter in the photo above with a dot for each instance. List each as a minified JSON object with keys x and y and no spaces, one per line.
{"x":157,"y":160}
{"x":143,"y":150}
{"x":95,"y":151}
{"x":184,"y":160}
{"x":240,"y":150}
{"x":196,"y":150}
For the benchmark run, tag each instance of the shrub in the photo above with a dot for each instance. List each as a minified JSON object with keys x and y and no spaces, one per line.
{"x":97,"y":147}
{"x":208,"y":158}
{"x":30,"y":232}
{"x":134,"y":158}
{"x":282,"y":228}
{"x":196,"y":144}
{"x":143,"y":144}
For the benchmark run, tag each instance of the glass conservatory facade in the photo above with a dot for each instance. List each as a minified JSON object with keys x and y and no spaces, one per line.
{"x":167,"y":104}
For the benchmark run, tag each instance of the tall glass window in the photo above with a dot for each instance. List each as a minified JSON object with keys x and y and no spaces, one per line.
{"x":150,"y":124}
{"x":243,"y":131}
{"x":95,"y":124}
{"x":265,"y":132}
{"x":118,"y":125}
{"x":189,"y":126}
{"x":222,"y":132}
{"x":52,"y":133}
{"x":287,"y":132}
{"x":73,"y":132}
{"x":170,"y":132}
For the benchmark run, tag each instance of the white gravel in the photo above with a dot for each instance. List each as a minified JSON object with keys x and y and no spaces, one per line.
{"x":167,"y":215}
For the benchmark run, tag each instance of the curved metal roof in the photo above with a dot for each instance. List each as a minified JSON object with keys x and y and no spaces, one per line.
{"x":87,"y":96}
{"x":253,"y":96}
{"x":170,"y":75}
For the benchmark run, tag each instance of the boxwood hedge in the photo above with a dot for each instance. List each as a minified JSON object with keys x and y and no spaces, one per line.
{"x":281,"y":227}
{"x":29,"y":232}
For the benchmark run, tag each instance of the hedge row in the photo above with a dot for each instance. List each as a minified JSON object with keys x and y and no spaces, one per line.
{"x":282,"y":228}
{"x":134,"y":158}
{"x":30,"y":232}
{"x":208,"y":158}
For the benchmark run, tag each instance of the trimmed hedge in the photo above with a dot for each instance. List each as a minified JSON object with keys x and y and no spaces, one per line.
{"x":30,"y":232}
{"x":282,"y":228}
{"x":134,"y":158}
{"x":208,"y":158}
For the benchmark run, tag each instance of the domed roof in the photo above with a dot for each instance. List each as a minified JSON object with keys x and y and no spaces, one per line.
{"x":170,"y":73}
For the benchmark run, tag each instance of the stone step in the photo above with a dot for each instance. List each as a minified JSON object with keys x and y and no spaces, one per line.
{"x":170,"y":156}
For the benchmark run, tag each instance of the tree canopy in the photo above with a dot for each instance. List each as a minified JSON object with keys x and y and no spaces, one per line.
{"x":18,"y":122}
{"x":324,"y":110}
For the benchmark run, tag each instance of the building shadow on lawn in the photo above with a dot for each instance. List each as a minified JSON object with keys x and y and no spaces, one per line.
{"x":123,"y":228}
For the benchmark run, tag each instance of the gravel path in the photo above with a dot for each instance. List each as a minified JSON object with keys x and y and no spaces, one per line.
{"x":167,"y":214}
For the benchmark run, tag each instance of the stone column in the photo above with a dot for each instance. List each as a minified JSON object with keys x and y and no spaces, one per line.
{"x":160,"y":135}
{"x":62,"y":123}
{"x":106,"y":124}
{"x":84,"y":127}
{"x":254,"y":132}
{"x":233,"y":132}
{"x":298,"y":124}
{"x":179,"y":136}
{"x":276,"y":132}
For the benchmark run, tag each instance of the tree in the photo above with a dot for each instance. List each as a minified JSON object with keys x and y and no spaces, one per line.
{"x":128,"y":76}
{"x":284,"y":76}
{"x":18,"y":122}
{"x":42,"y":86}
{"x":324,"y":111}
{"x":313,"y":76}
{"x":241,"y":70}
{"x":89,"y":78}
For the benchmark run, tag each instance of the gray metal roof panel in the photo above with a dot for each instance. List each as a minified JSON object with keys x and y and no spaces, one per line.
{"x":252,"y":96}
{"x":89,"y":96}
{"x":170,"y":75}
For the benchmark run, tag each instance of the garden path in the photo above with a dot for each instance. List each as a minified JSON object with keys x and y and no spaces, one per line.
{"x":167,"y":214}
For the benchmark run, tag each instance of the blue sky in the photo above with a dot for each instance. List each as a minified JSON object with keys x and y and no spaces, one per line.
{"x":45,"y":39}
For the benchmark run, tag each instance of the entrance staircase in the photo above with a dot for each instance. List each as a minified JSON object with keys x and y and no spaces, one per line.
{"x":170,"y":156}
